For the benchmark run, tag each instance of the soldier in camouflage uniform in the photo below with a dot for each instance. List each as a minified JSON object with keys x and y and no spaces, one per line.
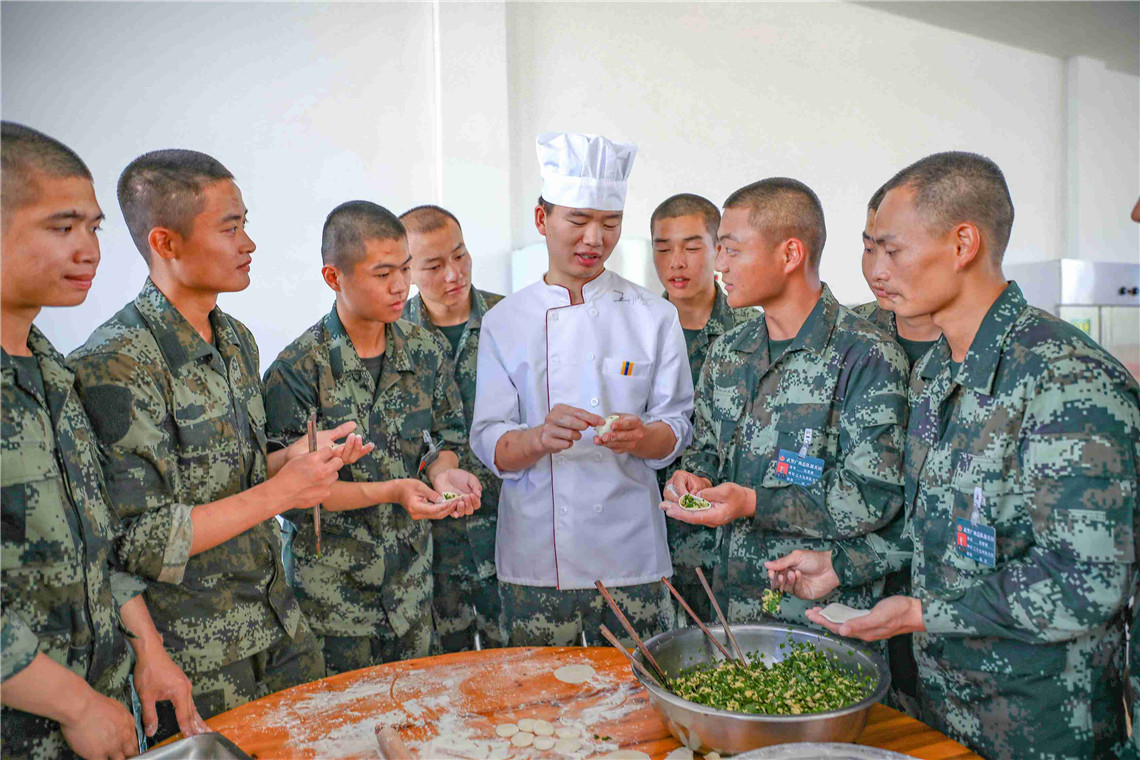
{"x":172,"y":389}
{"x":368,"y":592}
{"x":832,"y":396}
{"x":684,"y":233}
{"x":68,"y":606}
{"x":1021,"y":487}
{"x":465,"y":599}
{"x":915,"y":335}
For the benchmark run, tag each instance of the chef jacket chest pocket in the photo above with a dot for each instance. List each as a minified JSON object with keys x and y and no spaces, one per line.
{"x":625,"y":386}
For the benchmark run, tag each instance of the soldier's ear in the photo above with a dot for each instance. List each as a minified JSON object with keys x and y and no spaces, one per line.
{"x":968,"y":246}
{"x":795,"y":255}
{"x":164,"y":243}
{"x":331,"y":276}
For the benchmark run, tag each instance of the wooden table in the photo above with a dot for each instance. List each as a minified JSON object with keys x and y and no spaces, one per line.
{"x":448,"y":706}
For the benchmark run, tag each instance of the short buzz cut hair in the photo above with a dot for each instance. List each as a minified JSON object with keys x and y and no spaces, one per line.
{"x":350,"y":226}
{"x":164,"y":188}
{"x":877,"y":199}
{"x":427,"y":218}
{"x":25,"y":152}
{"x":782,"y":208}
{"x":687,"y":204}
{"x":955,"y":187}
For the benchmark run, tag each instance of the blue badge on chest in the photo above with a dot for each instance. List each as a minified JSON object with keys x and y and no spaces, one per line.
{"x":977,"y":542}
{"x":798,"y":468}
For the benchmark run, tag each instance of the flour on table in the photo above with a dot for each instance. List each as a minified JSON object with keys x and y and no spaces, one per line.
{"x":574,"y":673}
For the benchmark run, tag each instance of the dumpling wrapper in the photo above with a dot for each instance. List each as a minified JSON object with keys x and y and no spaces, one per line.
{"x":607,"y":425}
{"x":691,"y":503}
{"x":841,"y":613}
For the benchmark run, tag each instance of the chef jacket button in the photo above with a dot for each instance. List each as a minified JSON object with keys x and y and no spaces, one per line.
{"x":597,"y":507}
{"x":597,"y":457}
{"x":593,"y":402}
{"x":590,"y":356}
{"x":593,"y":312}
{"x":555,"y":360}
{"x":554,"y":317}
{"x":564,"y":510}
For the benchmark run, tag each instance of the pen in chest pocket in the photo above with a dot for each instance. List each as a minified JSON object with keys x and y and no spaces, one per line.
{"x":317,"y":508}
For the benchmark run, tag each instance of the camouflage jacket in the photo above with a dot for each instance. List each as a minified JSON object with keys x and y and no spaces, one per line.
{"x":693,"y":545}
{"x":321,"y":371}
{"x":842,"y":379}
{"x":1038,"y":429}
{"x":62,"y":586}
{"x":465,"y":547}
{"x":182,"y":423}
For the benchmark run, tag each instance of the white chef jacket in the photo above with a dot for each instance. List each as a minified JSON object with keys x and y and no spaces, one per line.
{"x":584,"y":514}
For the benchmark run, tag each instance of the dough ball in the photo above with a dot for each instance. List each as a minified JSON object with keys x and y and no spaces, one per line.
{"x":506,"y":729}
{"x":574,"y":673}
{"x":544,"y":742}
{"x":542,"y":728}
{"x":712,"y":756}
{"x":527,"y":724}
{"x":567,"y":732}
{"x":522,"y":739}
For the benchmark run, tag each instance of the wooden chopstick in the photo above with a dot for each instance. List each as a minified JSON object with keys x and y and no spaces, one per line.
{"x":629,"y":628}
{"x":608,"y":635}
{"x":317,"y":508}
{"x":697,"y":620}
{"x":720,"y":616}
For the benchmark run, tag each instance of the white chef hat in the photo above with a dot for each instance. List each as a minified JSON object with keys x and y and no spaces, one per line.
{"x":584,"y":171}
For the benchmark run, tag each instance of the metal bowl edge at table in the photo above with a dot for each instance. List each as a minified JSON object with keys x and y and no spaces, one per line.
{"x":706,"y":729}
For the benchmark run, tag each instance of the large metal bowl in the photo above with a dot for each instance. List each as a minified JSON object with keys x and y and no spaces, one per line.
{"x":705,"y":729}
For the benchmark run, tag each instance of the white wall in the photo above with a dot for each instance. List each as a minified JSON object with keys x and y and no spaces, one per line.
{"x":308,"y":105}
{"x":1103,"y":162}
{"x":408,"y":103}
{"x":839,"y":96}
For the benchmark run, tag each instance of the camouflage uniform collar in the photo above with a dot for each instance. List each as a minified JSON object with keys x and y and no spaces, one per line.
{"x":980,"y":365}
{"x":179,"y":342}
{"x":814,"y":334}
{"x":53,"y":367}
{"x":417,"y":312}
{"x":720,"y":319}
{"x":346,"y":359}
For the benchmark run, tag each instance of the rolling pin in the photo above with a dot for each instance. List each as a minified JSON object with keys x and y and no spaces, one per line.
{"x":391,"y":745}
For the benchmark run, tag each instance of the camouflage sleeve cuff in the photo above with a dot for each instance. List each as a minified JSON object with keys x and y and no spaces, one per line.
{"x":939,"y":616}
{"x":177,"y":552}
{"x":19,"y":645}
{"x":125,"y":587}
{"x":157,"y":543}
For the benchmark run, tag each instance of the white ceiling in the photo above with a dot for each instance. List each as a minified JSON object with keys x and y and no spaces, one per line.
{"x":1109,"y":31}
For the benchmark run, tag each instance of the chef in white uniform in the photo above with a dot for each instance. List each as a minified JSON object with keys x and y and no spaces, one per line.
{"x":556,"y":359}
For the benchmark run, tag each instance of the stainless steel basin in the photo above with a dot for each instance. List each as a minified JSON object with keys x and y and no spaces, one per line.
{"x":705,"y":729}
{"x":200,"y":747}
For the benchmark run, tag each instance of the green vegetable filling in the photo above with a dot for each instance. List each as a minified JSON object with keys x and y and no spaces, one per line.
{"x":807,"y":680}
{"x":770,"y":601}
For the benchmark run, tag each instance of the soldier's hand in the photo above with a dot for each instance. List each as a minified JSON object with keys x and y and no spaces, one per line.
{"x":625,"y":434}
{"x":306,"y":481}
{"x":463,"y":483}
{"x":158,"y":679}
{"x":682,"y":483}
{"x":102,"y":730}
{"x":807,"y":574}
{"x":729,"y":502}
{"x":421,"y":502}
{"x":892,"y":616}
{"x":351,"y":450}
{"x":563,"y":426}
